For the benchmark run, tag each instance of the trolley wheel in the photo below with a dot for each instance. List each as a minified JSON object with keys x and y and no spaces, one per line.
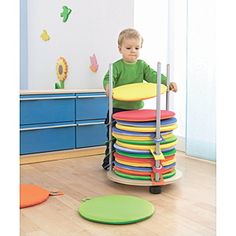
{"x":155,"y":189}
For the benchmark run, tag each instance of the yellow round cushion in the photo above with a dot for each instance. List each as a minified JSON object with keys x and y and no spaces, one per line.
{"x":145,"y":147}
{"x":129,"y":137}
{"x":138,"y":138}
{"x":146,"y":129}
{"x":144,"y":164}
{"x":137,"y":91}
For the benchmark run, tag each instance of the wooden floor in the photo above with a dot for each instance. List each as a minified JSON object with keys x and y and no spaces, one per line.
{"x":185,"y":208}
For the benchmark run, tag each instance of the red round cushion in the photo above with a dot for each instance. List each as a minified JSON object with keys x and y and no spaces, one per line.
{"x":142,"y":115}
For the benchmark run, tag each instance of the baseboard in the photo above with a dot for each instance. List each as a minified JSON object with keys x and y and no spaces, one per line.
{"x":201,"y":159}
{"x":60,"y":155}
{"x":180,"y":146}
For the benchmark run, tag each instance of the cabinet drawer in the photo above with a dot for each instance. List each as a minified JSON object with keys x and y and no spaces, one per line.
{"x":47,"y":137}
{"x":91,"y":106}
{"x":92,"y":133}
{"x":47,"y":108}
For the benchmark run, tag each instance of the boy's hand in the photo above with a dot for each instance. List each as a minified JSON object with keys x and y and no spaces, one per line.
{"x":173,"y":87}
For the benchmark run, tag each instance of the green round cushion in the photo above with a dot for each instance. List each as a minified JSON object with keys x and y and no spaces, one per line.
{"x":145,"y":155}
{"x":141,"y":177}
{"x":143,"y":142}
{"x":116,"y":209}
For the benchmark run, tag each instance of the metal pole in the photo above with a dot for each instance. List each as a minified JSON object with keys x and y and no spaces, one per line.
{"x":158,"y":118}
{"x":167,"y":84}
{"x":110,"y":115}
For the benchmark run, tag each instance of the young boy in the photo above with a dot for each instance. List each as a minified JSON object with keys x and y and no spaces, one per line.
{"x":129,"y":70}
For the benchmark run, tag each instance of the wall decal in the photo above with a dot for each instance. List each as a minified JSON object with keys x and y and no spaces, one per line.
{"x":61,"y":70}
{"x":44,"y":35}
{"x":94,"y":66}
{"x":65,"y":13}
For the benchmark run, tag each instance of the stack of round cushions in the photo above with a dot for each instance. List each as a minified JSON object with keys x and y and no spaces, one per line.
{"x":135,"y":133}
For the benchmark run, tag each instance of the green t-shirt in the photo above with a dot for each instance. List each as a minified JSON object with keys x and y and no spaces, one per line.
{"x":128,"y":73}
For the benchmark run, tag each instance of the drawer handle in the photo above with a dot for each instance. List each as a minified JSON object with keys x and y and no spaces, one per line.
{"x":46,"y":98}
{"x":47,"y":127}
{"x":95,"y":96}
{"x":92,"y":123}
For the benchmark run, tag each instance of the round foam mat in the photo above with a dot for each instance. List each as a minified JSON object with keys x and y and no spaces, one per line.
{"x":139,"y":138}
{"x":145,"y":155}
{"x":136,"y":91}
{"x":132,"y":164}
{"x":128,"y":176}
{"x":145,"y":147}
{"x":138,"y":142}
{"x":142,"y":115}
{"x":132,"y":172}
{"x":146,"y":142}
{"x":144,"y":164}
{"x":131,"y":137}
{"x":143,"y":161}
{"x":137,"y":171}
{"x":119,"y":157}
{"x":135,"y":168}
{"x":116,"y":209}
{"x":166,"y":122}
{"x":124,"y":132}
{"x":31,"y":195}
{"x":146,"y":129}
{"x":117,"y":147}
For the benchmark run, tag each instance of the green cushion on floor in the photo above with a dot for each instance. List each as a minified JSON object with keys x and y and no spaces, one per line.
{"x":116,"y":209}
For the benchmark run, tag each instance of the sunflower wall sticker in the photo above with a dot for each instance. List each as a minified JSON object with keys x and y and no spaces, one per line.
{"x":61,"y":71}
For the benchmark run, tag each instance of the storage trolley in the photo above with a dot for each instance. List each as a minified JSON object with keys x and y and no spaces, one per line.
{"x":157,"y":180}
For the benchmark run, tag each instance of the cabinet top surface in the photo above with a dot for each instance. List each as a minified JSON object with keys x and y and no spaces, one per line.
{"x":59,"y":91}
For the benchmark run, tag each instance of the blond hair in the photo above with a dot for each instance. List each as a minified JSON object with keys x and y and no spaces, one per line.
{"x":129,"y":34}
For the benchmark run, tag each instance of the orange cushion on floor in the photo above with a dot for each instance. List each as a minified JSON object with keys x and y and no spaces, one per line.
{"x":31,"y":195}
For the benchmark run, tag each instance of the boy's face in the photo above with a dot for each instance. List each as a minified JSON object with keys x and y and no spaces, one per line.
{"x":130,"y":49}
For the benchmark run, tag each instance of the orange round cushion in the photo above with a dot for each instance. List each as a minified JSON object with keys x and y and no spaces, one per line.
{"x":31,"y":195}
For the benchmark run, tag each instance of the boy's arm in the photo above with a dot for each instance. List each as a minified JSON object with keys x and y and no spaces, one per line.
{"x":150,"y":75}
{"x":106,"y":80}
{"x":172,"y":85}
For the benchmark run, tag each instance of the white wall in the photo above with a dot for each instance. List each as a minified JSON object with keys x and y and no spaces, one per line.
{"x":201,"y":110}
{"x":163,"y":25}
{"x":92,"y":27}
{"x":151,"y":20}
{"x":177,"y":57}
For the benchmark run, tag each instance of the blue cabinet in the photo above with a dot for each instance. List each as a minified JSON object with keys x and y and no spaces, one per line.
{"x":90,"y":133}
{"x":91,"y":110}
{"x":52,"y":122}
{"x":38,"y":109}
{"x":91,"y":106}
{"x":47,"y":137}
